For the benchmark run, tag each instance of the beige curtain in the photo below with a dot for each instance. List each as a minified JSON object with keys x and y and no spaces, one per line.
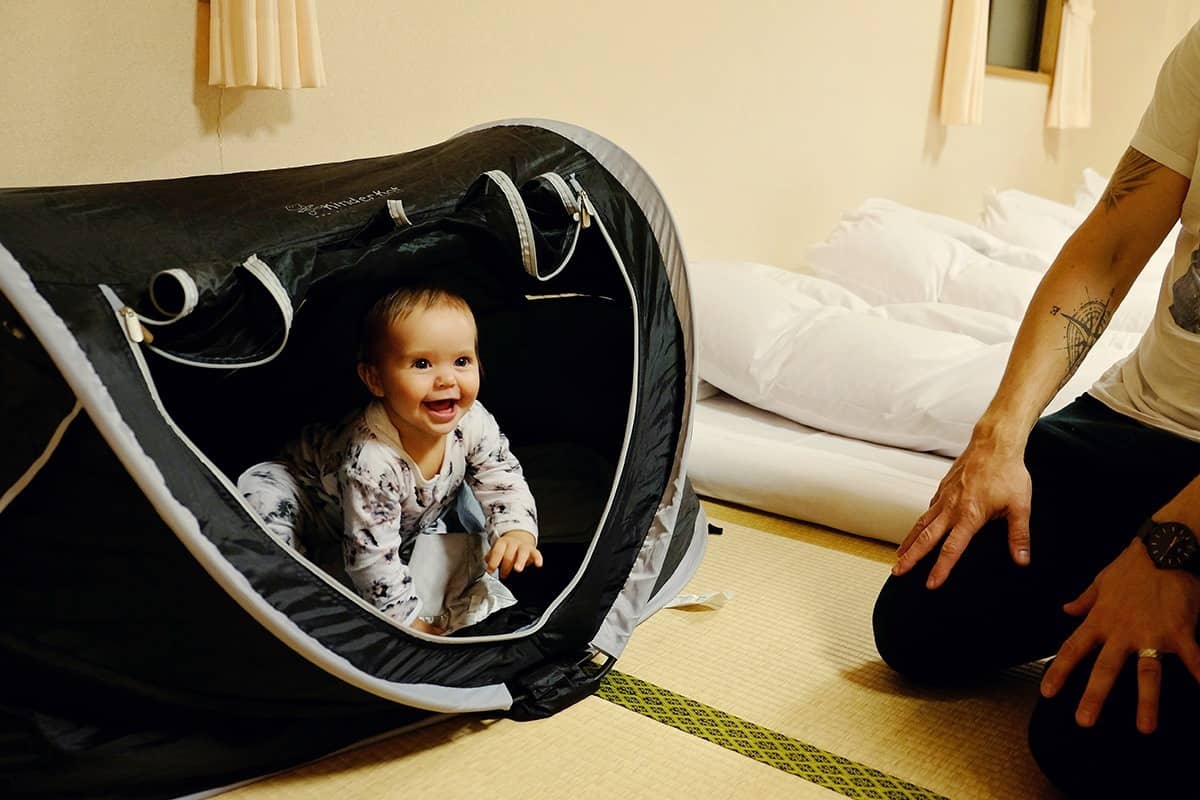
{"x":966,"y":63}
{"x":267,"y":43}
{"x":1071,"y":94}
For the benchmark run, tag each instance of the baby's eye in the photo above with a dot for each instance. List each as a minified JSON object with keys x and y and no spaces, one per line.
{"x":462,"y":361}
{"x":422,"y":363}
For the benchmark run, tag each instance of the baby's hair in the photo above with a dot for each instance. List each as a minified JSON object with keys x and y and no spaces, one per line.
{"x":397,"y":305}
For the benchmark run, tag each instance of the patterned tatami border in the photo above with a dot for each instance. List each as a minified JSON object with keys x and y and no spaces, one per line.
{"x":764,"y":745}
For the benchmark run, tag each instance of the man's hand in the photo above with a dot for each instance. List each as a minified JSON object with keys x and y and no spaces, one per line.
{"x":1131,"y":605}
{"x":513,"y":551}
{"x":987,"y":481}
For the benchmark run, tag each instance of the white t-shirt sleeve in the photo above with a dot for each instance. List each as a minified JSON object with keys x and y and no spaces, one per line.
{"x":1170,"y":127}
{"x":373,"y":491}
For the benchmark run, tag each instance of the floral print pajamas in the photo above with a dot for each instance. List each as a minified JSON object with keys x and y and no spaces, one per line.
{"x":356,"y":484}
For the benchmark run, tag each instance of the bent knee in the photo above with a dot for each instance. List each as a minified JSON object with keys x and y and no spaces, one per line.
{"x":904,"y":637}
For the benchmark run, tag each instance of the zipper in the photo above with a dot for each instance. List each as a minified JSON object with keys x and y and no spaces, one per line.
{"x":135,"y":324}
{"x":520,"y":218}
{"x":132,"y":325}
{"x":588,"y":214}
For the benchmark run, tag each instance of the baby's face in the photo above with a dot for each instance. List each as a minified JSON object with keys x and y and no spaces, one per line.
{"x":428,"y":373}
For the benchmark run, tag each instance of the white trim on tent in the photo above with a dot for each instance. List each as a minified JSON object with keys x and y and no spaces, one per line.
{"x":683,"y":573}
{"x":631,"y":414}
{"x":73,"y":363}
{"x":650,"y":200}
{"x":220,"y":476}
{"x":520,"y":218}
{"x":187,"y":288}
{"x":612,"y":638}
{"x":561,"y":295}
{"x":267,"y":277}
{"x":645,"y":192}
{"x":229,"y":486}
{"x":564,"y":193}
{"x":41,"y":460}
{"x":64,"y":350}
{"x":528,"y":630}
{"x":625,"y":613}
{"x":574,"y":207}
{"x":586,"y":207}
{"x":396,"y":212}
{"x":628,"y":608}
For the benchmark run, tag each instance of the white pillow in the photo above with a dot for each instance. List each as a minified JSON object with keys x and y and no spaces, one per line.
{"x":984,"y":326}
{"x":746,"y":315}
{"x":887,"y":259}
{"x":1016,"y":202}
{"x":872,"y":378}
{"x":1044,"y":226}
{"x":972,"y":236}
{"x":991,"y":286}
{"x":891,"y":259}
{"x":1024,"y":219}
{"x":914,"y":375}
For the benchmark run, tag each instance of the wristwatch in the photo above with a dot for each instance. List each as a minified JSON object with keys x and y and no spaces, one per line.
{"x":1171,"y":545}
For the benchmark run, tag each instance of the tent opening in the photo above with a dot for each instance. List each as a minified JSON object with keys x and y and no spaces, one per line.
{"x":557,"y":373}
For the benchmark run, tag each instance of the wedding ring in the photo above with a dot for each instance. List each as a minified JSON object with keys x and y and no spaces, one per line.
{"x":1148,"y":652}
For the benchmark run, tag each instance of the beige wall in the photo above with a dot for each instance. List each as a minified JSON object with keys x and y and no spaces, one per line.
{"x":1130,"y":41}
{"x":760,"y":120}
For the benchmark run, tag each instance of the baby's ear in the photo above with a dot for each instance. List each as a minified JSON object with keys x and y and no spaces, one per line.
{"x":370,"y":376}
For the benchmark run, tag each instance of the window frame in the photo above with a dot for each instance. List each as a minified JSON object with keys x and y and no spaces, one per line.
{"x":1048,"y":54}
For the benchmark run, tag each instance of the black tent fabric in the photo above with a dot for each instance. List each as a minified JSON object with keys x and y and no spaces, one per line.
{"x":158,"y":337}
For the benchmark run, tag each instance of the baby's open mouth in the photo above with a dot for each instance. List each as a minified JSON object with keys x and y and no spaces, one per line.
{"x":441,"y":406}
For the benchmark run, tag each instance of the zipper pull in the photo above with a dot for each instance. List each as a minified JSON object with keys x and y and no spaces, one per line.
{"x":586,"y":209}
{"x":584,"y":205}
{"x":133,"y":326}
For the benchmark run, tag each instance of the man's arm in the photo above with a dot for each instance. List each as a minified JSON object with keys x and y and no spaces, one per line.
{"x":1068,"y":312}
{"x":1081,"y":290}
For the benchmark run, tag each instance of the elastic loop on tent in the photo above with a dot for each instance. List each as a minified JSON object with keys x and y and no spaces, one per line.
{"x":520,"y":217}
{"x":567,"y":257}
{"x":396,"y":212}
{"x":270,"y":281}
{"x":259,"y":269}
{"x":572,"y":205}
{"x":174,"y":293}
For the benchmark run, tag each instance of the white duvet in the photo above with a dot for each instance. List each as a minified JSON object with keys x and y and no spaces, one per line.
{"x":900,"y":328}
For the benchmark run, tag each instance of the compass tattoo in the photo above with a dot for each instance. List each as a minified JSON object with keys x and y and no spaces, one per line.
{"x":1084,"y":326}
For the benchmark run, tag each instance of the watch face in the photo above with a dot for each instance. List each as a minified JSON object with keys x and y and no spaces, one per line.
{"x":1172,"y":545}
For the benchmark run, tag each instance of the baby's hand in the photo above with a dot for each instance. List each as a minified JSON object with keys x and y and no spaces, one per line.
{"x":513,"y":551}
{"x":426,"y":627}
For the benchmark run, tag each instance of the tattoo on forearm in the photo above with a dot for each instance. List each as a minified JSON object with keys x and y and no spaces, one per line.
{"x":1133,"y":172}
{"x":1084,"y":326}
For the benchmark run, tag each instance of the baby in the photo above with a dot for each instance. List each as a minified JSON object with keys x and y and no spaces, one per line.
{"x":392,"y":471}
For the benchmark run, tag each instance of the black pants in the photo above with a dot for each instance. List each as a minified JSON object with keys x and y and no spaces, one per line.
{"x":1096,"y":475}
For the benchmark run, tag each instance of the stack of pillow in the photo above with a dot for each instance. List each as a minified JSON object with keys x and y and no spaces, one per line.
{"x":899,"y":327}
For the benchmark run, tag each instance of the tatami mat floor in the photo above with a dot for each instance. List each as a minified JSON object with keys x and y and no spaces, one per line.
{"x":791,"y":652}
